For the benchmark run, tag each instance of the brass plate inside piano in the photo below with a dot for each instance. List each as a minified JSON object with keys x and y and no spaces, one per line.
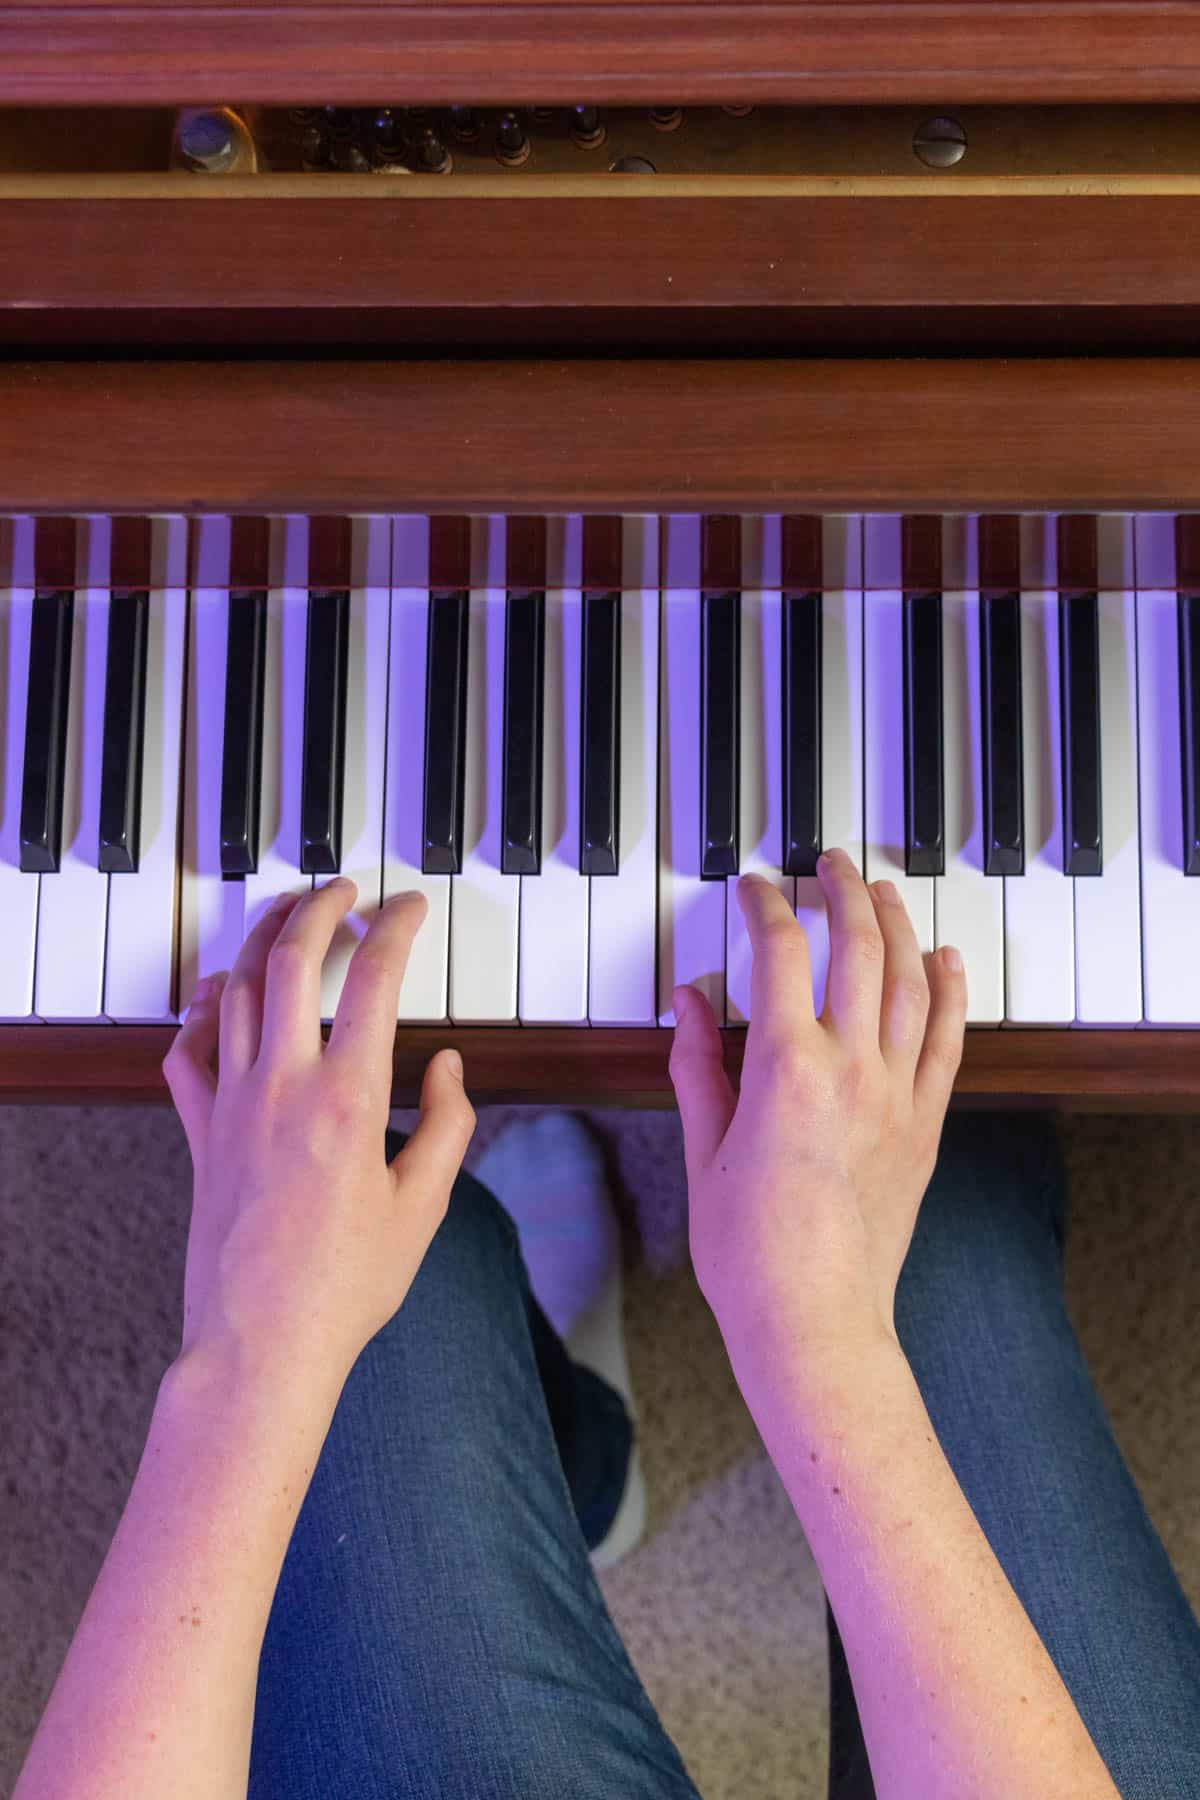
{"x":836,"y":149}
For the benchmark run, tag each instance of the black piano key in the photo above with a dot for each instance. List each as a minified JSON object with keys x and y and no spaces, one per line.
{"x":1187,"y":562}
{"x":801,"y":571}
{"x":323,"y":769}
{"x":445,"y":728}
{"x":1079,"y":694}
{"x":720,"y":695}
{"x":600,"y":708}
{"x":521,"y":795}
{"x":1003,"y":764}
{"x":241,"y":751}
{"x":46,"y":730}
{"x":924,"y":810}
{"x":1189,"y":727}
{"x":124,"y":725}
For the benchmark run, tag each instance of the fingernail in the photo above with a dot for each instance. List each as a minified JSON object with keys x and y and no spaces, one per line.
{"x":455,"y":1064}
{"x":951,"y":960}
{"x":887,"y":891}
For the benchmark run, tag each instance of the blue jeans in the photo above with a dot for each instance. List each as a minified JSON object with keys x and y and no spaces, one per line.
{"x":438,"y":1632}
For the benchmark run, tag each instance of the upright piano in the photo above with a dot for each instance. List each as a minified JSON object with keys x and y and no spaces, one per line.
{"x":560,"y":457}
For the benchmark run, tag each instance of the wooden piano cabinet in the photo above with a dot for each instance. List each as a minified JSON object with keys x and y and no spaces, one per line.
{"x":549,"y":270}
{"x":556,"y":51}
{"x":601,"y":435}
{"x":1098,"y":1071}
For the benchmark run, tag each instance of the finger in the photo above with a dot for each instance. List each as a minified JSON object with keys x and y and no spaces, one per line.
{"x":942,"y":1051}
{"x":432,"y":1157}
{"x":703,"y":1092}
{"x":364,"y":1029}
{"x":188,"y":1064}
{"x":291,"y":1027}
{"x":855,"y":982}
{"x":905,"y":1003}
{"x":781,"y":995}
{"x":242,"y":1001}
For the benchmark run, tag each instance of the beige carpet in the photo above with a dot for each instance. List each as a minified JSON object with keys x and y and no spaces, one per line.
{"x":721,"y":1606}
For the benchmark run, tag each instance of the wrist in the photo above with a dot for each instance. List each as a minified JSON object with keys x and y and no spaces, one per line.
{"x":811,"y":1372}
{"x":224,"y":1375}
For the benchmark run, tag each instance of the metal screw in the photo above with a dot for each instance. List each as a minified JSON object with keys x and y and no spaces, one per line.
{"x":512,"y":145}
{"x":666,"y":118}
{"x":940,"y":143}
{"x":208,"y":141}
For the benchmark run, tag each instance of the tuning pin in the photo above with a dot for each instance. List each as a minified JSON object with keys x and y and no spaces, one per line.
{"x":349,"y":158}
{"x":340,"y":121}
{"x":586,"y":128}
{"x":314,"y":146}
{"x":666,"y":118}
{"x":464,"y":122}
{"x":432,"y":155}
{"x":387,"y":128}
{"x":512,"y":143}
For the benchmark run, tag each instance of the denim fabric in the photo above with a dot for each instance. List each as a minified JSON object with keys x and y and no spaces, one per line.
{"x":438,"y":1630}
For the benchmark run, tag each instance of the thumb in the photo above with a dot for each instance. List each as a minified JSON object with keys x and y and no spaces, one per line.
{"x":703,"y":1092}
{"x":187,"y":1065}
{"x":433,"y":1154}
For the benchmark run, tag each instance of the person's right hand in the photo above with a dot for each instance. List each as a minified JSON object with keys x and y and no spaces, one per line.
{"x":803,"y":1194}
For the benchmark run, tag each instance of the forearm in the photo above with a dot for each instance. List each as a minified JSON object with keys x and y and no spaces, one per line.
{"x":955,"y":1690}
{"x":156,"y":1695}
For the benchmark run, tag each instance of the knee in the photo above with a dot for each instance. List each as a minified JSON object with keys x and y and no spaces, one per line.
{"x":998,"y":1189}
{"x":473,"y":1216}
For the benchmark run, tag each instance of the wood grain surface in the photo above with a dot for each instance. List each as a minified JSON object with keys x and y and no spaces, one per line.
{"x":1147,"y":1071}
{"x":600,"y":435}
{"x":799,"y":272}
{"x":563,"y":51}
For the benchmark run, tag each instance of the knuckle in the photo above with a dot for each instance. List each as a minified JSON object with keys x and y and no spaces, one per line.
{"x":911,"y":993}
{"x":863,"y":944}
{"x":286,"y":959}
{"x":945,"y":1054}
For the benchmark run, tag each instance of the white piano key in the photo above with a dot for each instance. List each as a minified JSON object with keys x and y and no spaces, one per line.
{"x":624,"y":907}
{"x":424,"y":993}
{"x":18,"y":891}
{"x":691,"y":912}
{"x":485,"y":904}
{"x":760,"y":771}
{"x":365,"y":759}
{"x":1170,"y":899}
{"x":139,"y":963}
{"x":968,"y":905}
{"x":553,"y":961}
{"x":211,"y":909}
{"x":841,"y":728}
{"x":279,"y":870}
{"x":883,"y":699}
{"x":1039,"y":906}
{"x":69,"y":969}
{"x":1108,"y":971}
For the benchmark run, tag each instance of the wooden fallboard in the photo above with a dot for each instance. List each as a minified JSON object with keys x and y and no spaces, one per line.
{"x":557,"y":51}
{"x":1103,"y":1071}
{"x":601,"y":435}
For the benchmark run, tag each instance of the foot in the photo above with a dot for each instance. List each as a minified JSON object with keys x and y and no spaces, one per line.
{"x":548,"y":1173}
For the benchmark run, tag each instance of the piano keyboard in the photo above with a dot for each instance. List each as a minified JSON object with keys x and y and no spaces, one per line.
{"x":572,"y":734}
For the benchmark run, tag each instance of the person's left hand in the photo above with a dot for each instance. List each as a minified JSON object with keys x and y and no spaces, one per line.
{"x":303,"y":1240}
